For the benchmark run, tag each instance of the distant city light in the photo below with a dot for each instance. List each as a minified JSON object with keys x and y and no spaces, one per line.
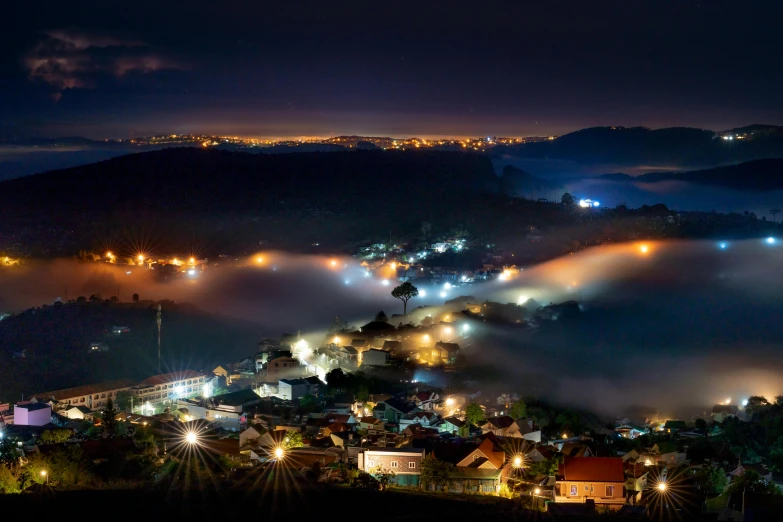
{"x":465,"y":327}
{"x":522,"y":299}
{"x":422,"y":293}
{"x":347,"y":282}
{"x":745,"y":402}
{"x":279,"y":452}
{"x":728,"y":401}
{"x":336,"y":340}
{"x":723,"y":245}
{"x":770,"y":240}
{"x":192,"y":272}
{"x":179,"y":389}
{"x":385,"y":282}
{"x":333,"y":262}
{"x":644,"y":249}
{"x":443,"y":294}
{"x":447,"y":285}
{"x":259,"y":260}
{"x":662,"y":486}
{"x":448,"y":330}
{"x":191,"y":438}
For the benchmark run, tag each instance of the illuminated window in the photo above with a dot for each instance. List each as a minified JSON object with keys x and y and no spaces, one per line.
{"x":394,"y":464}
{"x":609,"y":491}
{"x":411,"y":465}
{"x":574,"y":490}
{"x":587,"y":488}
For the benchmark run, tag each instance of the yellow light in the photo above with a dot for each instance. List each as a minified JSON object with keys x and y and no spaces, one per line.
{"x":259,"y":260}
{"x":336,"y":340}
{"x":449,"y":402}
{"x":447,"y":330}
{"x":43,"y":473}
{"x":333,"y":262}
{"x":191,"y":437}
{"x":662,"y":486}
{"x":565,"y":435}
{"x":644,"y":249}
{"x":517,"y":462}
{"x":279,"y":453}
{"x":109,"y":255}
{"x":192,"y":260}
{"x":647,"y":462}
{"x":141,"y":257}
{"x":426,"y":338}
{"x":394,"y":266}
{"x":538,"y":491}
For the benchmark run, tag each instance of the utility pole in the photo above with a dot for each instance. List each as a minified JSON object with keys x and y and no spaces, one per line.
{"x":158,"y":321}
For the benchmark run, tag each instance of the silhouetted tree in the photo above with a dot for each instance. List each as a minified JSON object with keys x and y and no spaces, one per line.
{"x":474,"y":414}
{"x":774,"y":212}
{"x":109,"y":418}
{"x":135,"y":298}
{"x":404,"y":293}
{"x":381,"y":317}
{"x":568,"y":200}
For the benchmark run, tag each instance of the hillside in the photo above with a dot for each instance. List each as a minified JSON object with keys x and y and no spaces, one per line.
{"x":55,"y":341}
{"x":765,"y":174}
{"x":677,"y":146}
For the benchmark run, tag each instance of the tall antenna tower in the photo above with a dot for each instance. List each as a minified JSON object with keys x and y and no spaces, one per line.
{"x":158,"y":321}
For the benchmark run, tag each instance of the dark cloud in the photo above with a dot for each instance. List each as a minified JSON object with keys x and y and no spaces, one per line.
{"x":69,"y":59}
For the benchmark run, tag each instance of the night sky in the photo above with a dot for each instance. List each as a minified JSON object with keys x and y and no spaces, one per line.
{"x":292,"y":68}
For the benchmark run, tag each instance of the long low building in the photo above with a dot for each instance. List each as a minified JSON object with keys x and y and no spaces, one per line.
{"x":169,"y":387}
{"x":92,"y":396}
{"x":153,"y":390}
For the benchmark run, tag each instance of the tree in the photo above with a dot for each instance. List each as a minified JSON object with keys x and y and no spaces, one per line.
{"x":135,"y":298}
{"x":313,"y":472}
{"x":518,"y":410}
{"x":568,"y":200}
{"x":381,"y":317}
{"x":337,"y":379}
{"x":109,"y":418}
{"x":712,"y":479}
{"x":474,"y":414}
{"x":293,"y":439}
{"x":755,"y":405}
{"x":123,"y":400}
{"x":339,"y":326}
{"x":404,"y":293}
{"x":55,"y":436}
{"x":701,"y":426}
{"x":434,"y":472}
{"x":774,"y":212}
{"x":544,"y":467}
{"x":383,"y":476}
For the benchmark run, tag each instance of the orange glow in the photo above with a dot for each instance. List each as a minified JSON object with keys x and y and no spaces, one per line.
{"x":333,"y":262}
{"x":644,"y":249}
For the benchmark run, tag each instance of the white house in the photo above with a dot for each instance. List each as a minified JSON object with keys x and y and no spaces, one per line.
{"x":292,"y":389}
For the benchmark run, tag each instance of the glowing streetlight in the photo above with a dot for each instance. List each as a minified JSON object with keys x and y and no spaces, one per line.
{"x":191,"y":437}
{"x":259,"y":260}
{"x":537,"y":491}
{"x":426,"y":338}
{"x":565,"y":435}
{"x":447,"y":330}
{"x":647,"y":462}
{"x":336,"y":340}
{"x":45,"y":475}
{"x":517,"y":463}
{"x":422,"y":293}
{"x":192,"y":260}
{"x":662,"y":486}
{"x":644,"y":249}
{"x":465,"y":327}
{"x":770,"y":240}
{"x":727,"y":401}
{"x":745,"y":402}
{"x":333,"y":262}
{"x":449,"y":402}
{"x":279,"y":452}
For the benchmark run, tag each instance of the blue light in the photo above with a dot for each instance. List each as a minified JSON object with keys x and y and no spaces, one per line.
{"x":722,"y":245}
{"x":347,"y":282}
{"x":596,"y":204}
{"x":770,"y":240}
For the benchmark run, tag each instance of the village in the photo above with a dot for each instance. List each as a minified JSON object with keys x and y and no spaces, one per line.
{"x":390,"y":406}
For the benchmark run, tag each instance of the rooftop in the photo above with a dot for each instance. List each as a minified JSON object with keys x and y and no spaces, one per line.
{"x":166,"y":378}
{"x":33,"y":406}
{"x":90,"y":389}
{"x":595,"y":469}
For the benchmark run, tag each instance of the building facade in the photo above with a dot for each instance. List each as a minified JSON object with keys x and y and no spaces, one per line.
{"x":404,"y":462}
{"x":168,"y":387}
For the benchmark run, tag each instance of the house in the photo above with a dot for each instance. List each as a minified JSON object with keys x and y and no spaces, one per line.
{"x":444,"y":353}
{"x":93,"y":396}
{"x":283,"y":368}
{"x":314,"y":385}
{"x":455,"y":426}
{"x":741,"y":468}
{"x":665,"y":453}
{"x":374,"y":357}
{"x":426,"y":401}
{"x":391,"y":410}
{"x":292,"y":389}
{"x":335,"y":427}
{"x":424,"y":418}
{"x":576,"y":449}
{"x":393,"y":347}
{"x":721,"y":412}
{"x":370,"y":424}
{"x":78,"y":412}
{"x":32,"y":414}
{"x":249,"y":435}
{"x":485,"y":456}
{"x":524,"y":429}
{"x":498,"y":425}
{"x":598,"y":479}
{"x":237,"y":401}
{"x":635,"y":479}
{"x":673,"y":426}
{"x":404,"y":462}
{"x":538,"y":453}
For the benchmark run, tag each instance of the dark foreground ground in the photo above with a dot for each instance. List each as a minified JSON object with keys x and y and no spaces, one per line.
{"x":270,"y":500}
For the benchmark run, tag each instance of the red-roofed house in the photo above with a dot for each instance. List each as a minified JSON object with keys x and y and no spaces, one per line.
{"x":601,"y":479}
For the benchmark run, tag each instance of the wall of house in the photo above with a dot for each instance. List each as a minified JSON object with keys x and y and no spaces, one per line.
{"x":24,"y":417}
{"x":592,"y":490}
{"x":373,"y":460}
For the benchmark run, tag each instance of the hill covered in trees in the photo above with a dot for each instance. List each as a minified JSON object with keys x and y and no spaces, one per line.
{"x":765,"y":174}
{"x":677,"y":146}
{"x":48,"y":348}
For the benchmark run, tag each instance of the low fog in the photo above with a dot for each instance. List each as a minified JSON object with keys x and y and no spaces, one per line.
{"x":673,"y":325}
